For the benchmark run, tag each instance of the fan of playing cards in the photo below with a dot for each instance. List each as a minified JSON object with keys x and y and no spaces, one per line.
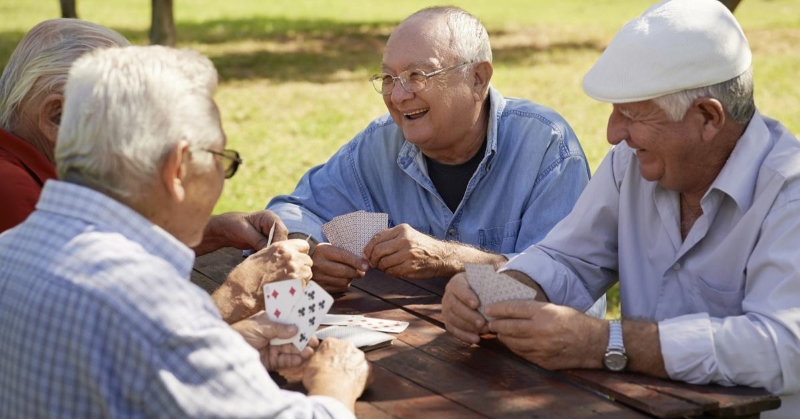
{"x":353,"y":231}
{"x":287,"y":302}
{"x":492,"y":287}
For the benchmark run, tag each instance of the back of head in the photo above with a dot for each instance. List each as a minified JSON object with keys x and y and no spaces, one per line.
{"x":40,"y":63}
{"x":126,"y":108}
{"x":673,"y":46}
{"x":469,"y":40}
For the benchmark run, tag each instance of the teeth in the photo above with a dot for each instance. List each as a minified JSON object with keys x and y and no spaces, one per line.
{"x":417,"y":112}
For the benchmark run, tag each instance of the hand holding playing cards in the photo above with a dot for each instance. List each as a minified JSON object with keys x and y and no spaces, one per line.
{"x":334,"y":268}
{"x":403,"y":251}
{"x":339,"y":370}
{"x":258,"y":330}
{"x":241,"y":294}
{"x":460,"y":310}
{"x":549,"y":335}
{"x":241,"y":230}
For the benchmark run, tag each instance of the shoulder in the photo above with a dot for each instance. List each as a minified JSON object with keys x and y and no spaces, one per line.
{"x":783,"y":160}
{"x":380,"y":136}
{"x":19,"y":192}
{"x":523,"y":119}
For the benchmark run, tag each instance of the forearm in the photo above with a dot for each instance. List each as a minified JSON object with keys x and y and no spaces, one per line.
{"x":213,"y":237}
{"x":643,"y":347}
{"x":455,"y":255}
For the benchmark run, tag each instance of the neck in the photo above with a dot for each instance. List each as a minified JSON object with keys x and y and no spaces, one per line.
{"x":37,"y":140}
{"x":465,"y":149}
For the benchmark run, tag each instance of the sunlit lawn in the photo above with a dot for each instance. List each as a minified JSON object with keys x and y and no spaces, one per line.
{"x":293,"y":74}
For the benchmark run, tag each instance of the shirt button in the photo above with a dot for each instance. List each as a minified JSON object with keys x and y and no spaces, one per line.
{"x":676,"y":266}
{"x":451,"y":232}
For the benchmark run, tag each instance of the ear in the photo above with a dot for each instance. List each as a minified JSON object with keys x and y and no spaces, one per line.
{"x":174,"y":170}
{"x":482,"y":73}
{"x":713,"y":116}
{"x":50,"y":109}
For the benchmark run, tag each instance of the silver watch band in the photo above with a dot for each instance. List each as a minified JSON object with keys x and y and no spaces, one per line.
{"x":615,"y":336}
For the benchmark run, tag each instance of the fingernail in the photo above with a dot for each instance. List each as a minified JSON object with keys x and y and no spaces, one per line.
{"x":364,"y":266}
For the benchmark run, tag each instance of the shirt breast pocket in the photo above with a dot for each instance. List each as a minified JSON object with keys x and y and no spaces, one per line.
{"x":715,"y":299}
{"x":501,"y":239}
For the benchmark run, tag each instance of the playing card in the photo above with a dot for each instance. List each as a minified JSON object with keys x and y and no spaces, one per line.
{"x":492,"y":287}
{"x":280,"y":297}
{"x":308,"y":313}
{"x":382,"y":325}
{"x":364,"y":339}
{"x":353,"y":231}
{"x":341,"y":319}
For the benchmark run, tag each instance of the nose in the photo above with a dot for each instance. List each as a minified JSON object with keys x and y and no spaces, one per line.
{"x":399,"y":93}
{"x":617,"y":129}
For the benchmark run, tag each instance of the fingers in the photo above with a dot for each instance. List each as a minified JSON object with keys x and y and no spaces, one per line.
{"x":515,"y":309}
{"x":380,"y":238}
{"x":459,"y":308}
{"x":296,"y":245}
{"x":335,"y":268}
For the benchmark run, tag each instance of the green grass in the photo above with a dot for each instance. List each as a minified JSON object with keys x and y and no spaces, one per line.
{"x":293,"y":74}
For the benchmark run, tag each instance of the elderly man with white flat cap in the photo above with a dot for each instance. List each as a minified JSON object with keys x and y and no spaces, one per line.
{"x":695,"y":211}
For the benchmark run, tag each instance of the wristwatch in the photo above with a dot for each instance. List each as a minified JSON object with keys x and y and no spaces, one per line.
{"x":615,"y":358}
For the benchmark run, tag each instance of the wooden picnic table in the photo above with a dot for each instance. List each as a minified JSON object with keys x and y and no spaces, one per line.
{"x":427,"y":372}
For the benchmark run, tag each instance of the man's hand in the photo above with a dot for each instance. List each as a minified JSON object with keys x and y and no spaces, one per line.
{"x":258,"y":330}
{"x":403,"y":251}
{"x":241,"y":295}
{"x":334,"y":268}
{"x":339,"y":370}
{"x":460,"y":310}
{"x":241,"y":230}
{"x":551,"y":336}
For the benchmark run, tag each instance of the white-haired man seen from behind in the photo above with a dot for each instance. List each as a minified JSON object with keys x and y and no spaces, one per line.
{"x":31,"y":105}
{"x":694,"y":212}
{"x":97,"y":315}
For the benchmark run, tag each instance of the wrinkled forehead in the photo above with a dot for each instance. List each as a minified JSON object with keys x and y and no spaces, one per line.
{"x":420,"y":43}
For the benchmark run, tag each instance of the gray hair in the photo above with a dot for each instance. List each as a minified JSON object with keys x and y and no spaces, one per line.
{"x":126,"y":108}
{"x":40,"y":63}
{"x":736,"y":96}
{"x":469,"y":40}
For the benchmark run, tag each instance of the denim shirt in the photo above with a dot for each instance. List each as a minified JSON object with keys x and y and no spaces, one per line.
{"x":531,"y":175}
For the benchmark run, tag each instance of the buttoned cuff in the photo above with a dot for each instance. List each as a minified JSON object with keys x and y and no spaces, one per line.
{"x":335,"y":408}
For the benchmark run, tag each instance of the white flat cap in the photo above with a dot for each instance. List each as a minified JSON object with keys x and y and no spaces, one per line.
{"x":673,"y":46}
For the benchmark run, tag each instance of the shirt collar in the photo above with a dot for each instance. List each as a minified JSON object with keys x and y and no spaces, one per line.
{"x":738,"y":177}
{"x":28,"y":155}
{"x":108,"y":215}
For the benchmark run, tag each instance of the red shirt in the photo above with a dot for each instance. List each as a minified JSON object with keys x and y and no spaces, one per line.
{"x":23,"y":171}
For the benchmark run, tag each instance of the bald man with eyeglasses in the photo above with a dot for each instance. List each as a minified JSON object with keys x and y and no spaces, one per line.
{"x":465,"y":174}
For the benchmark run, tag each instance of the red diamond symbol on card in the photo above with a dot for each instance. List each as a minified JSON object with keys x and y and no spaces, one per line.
{"x":292,"y":291}
{"x":275,"y":294}
{"x":277,"y":313}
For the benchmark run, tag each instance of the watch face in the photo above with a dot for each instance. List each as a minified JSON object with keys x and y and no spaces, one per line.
{"x":615,"y":361}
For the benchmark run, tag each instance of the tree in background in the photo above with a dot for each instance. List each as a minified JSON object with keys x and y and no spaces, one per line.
{"x":162,"y":26}
{"x":68,"y":9}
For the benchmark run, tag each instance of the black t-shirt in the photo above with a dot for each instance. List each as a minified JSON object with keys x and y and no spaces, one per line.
{"x":451,"y":180}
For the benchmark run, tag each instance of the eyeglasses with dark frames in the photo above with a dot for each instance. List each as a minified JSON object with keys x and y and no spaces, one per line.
{"x":413,"y":81}
{"x":230,"y":162}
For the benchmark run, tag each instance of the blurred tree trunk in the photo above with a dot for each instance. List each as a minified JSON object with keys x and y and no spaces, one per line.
{"x":731,"y":4}
{"x":68,"y":9}
{"x":162,"y":30}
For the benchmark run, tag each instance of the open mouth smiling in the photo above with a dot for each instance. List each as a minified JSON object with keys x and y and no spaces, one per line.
{"x":419,"y":113}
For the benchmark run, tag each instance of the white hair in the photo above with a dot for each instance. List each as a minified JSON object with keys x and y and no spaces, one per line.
{"x":40,"y":63}
{"x":127,"y":108}
{"x":469,"y":39}
{"x":736,"y":96}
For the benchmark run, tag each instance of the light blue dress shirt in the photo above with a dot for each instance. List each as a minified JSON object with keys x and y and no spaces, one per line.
{"x":98,"y":319}
{"x":727,"y":298}
{"x":530,"y":177}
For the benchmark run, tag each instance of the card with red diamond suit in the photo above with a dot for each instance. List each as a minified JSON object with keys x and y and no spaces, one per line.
{"x":308,"y":312}
{"x":280,"y":297}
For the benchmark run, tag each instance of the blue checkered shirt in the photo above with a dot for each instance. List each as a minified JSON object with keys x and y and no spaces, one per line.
{"x":98,"y":319}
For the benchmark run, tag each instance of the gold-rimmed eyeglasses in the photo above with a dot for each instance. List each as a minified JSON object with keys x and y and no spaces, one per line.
{"x":230,"y":162}
{"x":412,"y":80}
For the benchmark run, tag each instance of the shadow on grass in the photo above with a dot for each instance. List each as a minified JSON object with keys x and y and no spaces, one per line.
{"x":318,"y":51}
